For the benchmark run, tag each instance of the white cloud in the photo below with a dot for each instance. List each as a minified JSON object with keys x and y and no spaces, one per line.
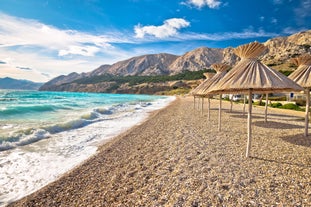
{"x":39,"y":64}
{"x":23,"y":68}
{"x":13,"y":72}
{"x":213,"y":4}
{"x":274,"y":21}
{"x":304,"y":9}
{"x":168,"y":29}
{"x":246,"y":34}
{"x":290,"y":30}
{"x":85,"y":50}
{"x":262,"y":18}
{"x":24,"y":32}
{"x":51,"y":51}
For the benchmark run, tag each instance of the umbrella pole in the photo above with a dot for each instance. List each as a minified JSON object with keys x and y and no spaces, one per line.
{"x":209,"y":108}
{"x":202,"y":105}
{"x":307,"y":111}
{"x":249,"y":122}
{"x":197,"y":102}
{"x":193,"y":102}
{"x":244,"y":105}
{"x":231,"y":103}
{"x":219,"y":112}
{"x":266,"y":107}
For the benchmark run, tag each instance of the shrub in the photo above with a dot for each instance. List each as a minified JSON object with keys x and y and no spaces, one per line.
{"x":258,"y":103}
{"x":275,"y":105}
{"x":246,"y":101}
{"x":226,"y":98}
{"x":292,"y":107}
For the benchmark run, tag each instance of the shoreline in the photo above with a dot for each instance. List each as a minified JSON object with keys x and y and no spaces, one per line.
{"x":26,"y":169}
{"x":178,"y":158}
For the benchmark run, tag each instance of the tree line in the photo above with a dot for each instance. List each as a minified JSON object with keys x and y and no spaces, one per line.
{"x":134,"y":80}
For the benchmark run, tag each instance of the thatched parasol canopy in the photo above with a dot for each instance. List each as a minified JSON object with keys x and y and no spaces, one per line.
{"x":221,"y":70}
{"x":208,"y":77}
{"x":250,"y":76}
{"x":250,"y":73}
{"x":302,"y":76}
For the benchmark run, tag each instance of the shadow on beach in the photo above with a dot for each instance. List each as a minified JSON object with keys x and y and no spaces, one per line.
{"x":285,"y":117}
{"x":298,"y":139}
{"x":276,"y":125}
{"x":281,"y":162}
{"x":241,"y":116}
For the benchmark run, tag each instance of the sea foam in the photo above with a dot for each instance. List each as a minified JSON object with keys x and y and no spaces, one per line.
{"x":42,"y":155}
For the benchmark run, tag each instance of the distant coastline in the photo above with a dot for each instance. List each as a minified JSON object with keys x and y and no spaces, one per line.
{"x":11,"y":83}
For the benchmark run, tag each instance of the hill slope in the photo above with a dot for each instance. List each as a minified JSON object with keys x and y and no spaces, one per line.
{"x":281,"y":49}
{"x":10,"y":83}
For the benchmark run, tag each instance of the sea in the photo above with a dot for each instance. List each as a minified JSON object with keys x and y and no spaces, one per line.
{"x":45,"y":134}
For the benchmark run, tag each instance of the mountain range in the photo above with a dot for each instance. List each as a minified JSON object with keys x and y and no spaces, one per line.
{"x":280,"y":50}
{"x":10,"y":83}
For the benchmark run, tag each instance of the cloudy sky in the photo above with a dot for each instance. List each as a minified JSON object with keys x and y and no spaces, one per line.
{"x":40,"y":40}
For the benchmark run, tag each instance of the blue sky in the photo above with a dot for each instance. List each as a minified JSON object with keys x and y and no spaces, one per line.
{"x":40,"y":40}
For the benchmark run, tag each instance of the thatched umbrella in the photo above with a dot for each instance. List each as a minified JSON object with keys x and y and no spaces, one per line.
{"x":194,"y":92}
{"x":302,"y":76}
{"x":250,"y":76}
{"x":208,"y":76}
{"x":221,"y":70}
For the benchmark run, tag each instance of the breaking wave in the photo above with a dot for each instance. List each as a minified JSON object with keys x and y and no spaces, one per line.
{"x":31,"y":135}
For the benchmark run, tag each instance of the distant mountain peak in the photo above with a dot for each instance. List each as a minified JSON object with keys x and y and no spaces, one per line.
{"x":280,"y":50}
{"x":11,"y":83}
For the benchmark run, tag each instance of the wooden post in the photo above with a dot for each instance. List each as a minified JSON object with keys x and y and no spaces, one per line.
{"x":231,"y":103}
{"x":219,"y":112}
{"x":209,"y":109}
{"x":249,"y":123}
{"x":202,"y":106}
{"x":244,"y":105}
{"x":266,"y":107}
{"x":307,"y":111}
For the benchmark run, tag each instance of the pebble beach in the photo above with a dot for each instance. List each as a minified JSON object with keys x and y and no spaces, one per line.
{"x":177,"y":157}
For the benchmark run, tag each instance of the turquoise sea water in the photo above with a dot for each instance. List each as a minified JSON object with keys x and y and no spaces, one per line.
{"x":23,"y":113}
{"x":45,"y":134}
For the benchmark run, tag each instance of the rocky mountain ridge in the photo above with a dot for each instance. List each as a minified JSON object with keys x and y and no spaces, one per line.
{"x":281,"y":49}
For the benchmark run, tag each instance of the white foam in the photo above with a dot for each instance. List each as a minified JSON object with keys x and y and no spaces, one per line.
{"x":28,"y":168}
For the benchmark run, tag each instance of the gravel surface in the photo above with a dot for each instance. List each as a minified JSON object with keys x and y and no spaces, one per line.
{"x":178,"y":158}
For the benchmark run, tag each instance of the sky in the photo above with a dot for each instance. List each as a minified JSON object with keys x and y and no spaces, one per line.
{"x":42,"y":39}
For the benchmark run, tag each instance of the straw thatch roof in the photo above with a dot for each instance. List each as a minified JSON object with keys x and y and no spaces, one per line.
{"x":250,"y":73}
{"x":302,"y":75}
{"x":208,"y":75}
{"x":221,"y":70}
{"x":195,"y":90}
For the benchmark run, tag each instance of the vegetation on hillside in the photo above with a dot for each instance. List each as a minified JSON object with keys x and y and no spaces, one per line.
{"x":286,"y":72}
{"x":134,"y":80}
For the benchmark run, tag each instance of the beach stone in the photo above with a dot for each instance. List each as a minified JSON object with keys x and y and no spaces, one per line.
{"x":178,"y":158}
